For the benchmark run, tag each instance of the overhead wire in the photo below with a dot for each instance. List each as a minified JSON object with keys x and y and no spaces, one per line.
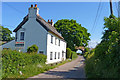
{"x":14,"y":8}
{"x":96,"y":16}
{"x":116,"y":4}
{"x":20,"y":12}
{"x":99,"y":14}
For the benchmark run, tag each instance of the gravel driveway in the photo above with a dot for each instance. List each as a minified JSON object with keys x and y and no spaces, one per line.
{"x":74,"y":69}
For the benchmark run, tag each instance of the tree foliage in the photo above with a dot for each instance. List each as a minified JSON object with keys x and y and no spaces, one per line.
{"x":73,"y":33}
{"x":5,"y":34}
{"x":105,"y":62}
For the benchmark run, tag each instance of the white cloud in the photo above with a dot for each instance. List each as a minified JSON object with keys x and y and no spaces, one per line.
{"x":93,"y":43}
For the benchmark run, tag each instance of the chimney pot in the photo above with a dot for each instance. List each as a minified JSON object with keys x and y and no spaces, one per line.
{"x":51,"y":20}
{"x":48,"y":20}
{"x":35,"y":5}
{"x":31,"y":5}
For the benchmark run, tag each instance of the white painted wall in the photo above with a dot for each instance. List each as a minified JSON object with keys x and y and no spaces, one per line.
{"x":51,"y":47}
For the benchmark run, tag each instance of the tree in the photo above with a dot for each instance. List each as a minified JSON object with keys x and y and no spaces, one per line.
{"x":73,"y":33}
{"x":105,"y":62}
{"x":6,"y":34}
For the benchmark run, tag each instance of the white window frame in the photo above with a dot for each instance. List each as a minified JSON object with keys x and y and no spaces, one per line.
{"x":23,"y":37}
{"x":52,"y":39}
{"x":55,"y":55}
{"x":51,"y":55}
{"x":59,"y":42}
{"x":55,"y":41}
{"x":58,"y":55}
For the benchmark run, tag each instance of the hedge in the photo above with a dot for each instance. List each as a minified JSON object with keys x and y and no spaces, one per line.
{"x":68,"y":55}
{"x":14,"y":61}
{"x":74,"y":55}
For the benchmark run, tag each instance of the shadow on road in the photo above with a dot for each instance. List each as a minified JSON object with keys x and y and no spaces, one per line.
{"x":76,"y":72}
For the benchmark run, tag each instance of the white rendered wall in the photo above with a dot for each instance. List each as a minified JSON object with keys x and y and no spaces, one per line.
{"x":51,"y":47}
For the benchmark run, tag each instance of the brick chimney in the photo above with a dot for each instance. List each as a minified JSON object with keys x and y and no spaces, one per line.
{"x":33,"y":11}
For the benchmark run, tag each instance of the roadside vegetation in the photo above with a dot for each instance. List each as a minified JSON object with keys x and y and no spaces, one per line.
{"x":23,"y":65}
{"x":104,"y":60}
{"x":71,"y":54}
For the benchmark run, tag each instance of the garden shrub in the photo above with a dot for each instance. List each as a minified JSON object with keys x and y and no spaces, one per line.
{"x":14,"y":61}
{"x":33,"y":48}
{"x":68,"y":55}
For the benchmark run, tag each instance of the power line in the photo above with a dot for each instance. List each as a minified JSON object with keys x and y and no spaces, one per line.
{"x":96,"y":16}
{"x":116,"y":6}
{"x":14,"y":8}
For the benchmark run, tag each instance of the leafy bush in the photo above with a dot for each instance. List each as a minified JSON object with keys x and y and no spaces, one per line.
{"x":68,"y":55}
{"x":14,"y":61}
{"x":104,"y":61}
{"x":86,"y":52}
{"x":74,"y":55}
{"x":33,"y":48}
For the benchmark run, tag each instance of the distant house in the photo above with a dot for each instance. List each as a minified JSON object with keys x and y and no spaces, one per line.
{"x":35,"y":30}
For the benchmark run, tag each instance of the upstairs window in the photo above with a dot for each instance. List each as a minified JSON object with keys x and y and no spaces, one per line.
{"x":55,"y":41}
{"x":22,"y":36}
{"x":59,"y":43}
{"x":51,"y":39}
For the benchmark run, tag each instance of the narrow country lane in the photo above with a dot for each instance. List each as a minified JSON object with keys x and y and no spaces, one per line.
{"x":74,"y":69}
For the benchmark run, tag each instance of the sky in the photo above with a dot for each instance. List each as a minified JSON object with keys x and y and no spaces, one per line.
{"x":85,"y":13}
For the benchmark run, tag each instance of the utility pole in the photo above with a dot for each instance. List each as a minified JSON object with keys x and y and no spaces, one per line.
{"x":111,"y":7}
{"x":119,"y":9}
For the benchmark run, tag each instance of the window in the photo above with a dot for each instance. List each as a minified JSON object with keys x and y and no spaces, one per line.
{"x":22,"y":36}
{"x":55,"y":55}
{"x":50,"y":55}
{"x":58,"y":55}
{"x":59,"y":43}
{"x":51,"y":39}
{"x":41,"y":52}
{"x":55,"y":41}
{"x":16,"y":36}
{"x":62,"y":53}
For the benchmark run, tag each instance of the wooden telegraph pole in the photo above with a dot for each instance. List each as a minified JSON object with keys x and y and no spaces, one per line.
{"x":111,"y":7}
{"x":119,"y":9}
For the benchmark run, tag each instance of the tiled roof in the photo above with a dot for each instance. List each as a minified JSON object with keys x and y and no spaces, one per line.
{"x":42,"y":22}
